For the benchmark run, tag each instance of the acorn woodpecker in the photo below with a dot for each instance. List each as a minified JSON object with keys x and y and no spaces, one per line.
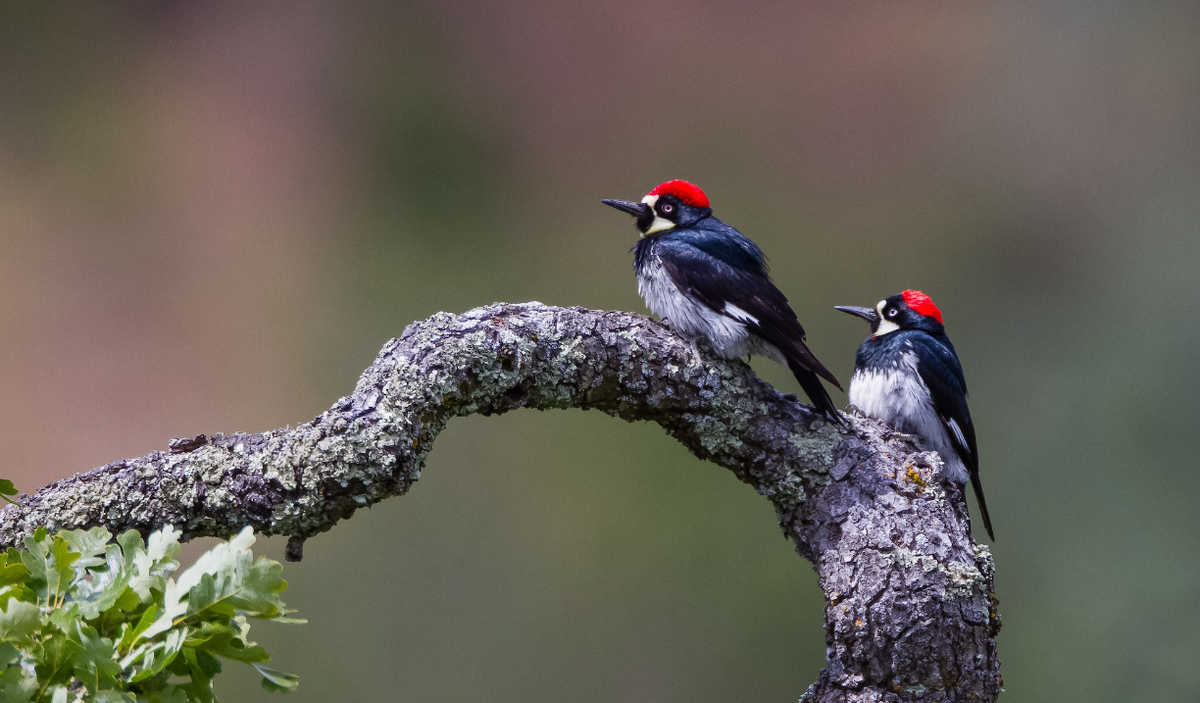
{"x":907,"y":375}
{"x":706,"y":279}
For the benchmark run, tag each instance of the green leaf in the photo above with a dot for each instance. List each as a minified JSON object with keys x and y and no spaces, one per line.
{"x":19,"y":622}
{"x":206,"y":663}
{"x":35,"y":557}
{"x":9,"y":654}
{"x":7,"y":489}
{"x":164,"y":545}
{"x":50,"y":565}
{"x":64,"y":567}
{"x":63,"y":617}
{"x":160,"y":655}
{"x":131,"y":543}
{"x":223,"y":641}
{"x":174,"y":607}
{"x":131,"y":634}
{"x":52,"y":658}
{"x":128,"y":600}
{"x":106,"y":584}
{"x":201,"y":685}
{"x":149,"y":566}
{"x":116,"y":697}
{"x":12,"y":571}
{"x":277,"y":681}
{"x":170,"y":694}
{"x":18,"y":591}
{"x":213,"y":595}
{"x":94,"y":663}
{"x":89,"y":544}
{"x":17,"y":685}
{"x":231,"y":581}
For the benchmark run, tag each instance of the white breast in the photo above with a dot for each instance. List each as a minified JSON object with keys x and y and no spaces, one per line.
{"x":688,"y":317}
{"x":897,"y":396}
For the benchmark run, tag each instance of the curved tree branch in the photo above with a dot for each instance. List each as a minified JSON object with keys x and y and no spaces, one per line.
{"x":910,"y":613}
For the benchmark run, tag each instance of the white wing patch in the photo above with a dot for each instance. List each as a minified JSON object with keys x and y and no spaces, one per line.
{"x":739,"y":314}
{"x":957,"y":431}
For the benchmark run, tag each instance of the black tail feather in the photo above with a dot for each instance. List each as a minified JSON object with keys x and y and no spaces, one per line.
{"x":799,"y":356}
{"x":977,"y":485}
{"x":815,"y":391}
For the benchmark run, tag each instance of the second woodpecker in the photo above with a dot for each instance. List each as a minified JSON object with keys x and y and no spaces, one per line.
{"x":706,"y":279}
{"x":907,"y":375}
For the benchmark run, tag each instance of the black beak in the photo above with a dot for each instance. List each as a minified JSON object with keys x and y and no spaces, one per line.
{"x":635,"y":209}
{"x":867,"y":314}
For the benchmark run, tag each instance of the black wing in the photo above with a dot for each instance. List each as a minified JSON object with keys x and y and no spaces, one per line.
{"x":943,"y":375}
{"x":749,"y":296}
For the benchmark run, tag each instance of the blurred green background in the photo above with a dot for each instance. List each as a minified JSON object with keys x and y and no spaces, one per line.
{"x":213,"y":215}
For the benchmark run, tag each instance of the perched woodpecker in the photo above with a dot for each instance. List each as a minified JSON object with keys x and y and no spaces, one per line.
{"x":706,"y":279}
{"x":907,"y":375}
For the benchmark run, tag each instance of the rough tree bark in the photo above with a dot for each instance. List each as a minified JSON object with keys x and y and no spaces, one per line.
{"x":910,"y":613}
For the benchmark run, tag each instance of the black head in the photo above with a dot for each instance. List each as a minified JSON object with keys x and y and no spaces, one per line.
{"x":670,"y":205}
{"x":910,"y":309}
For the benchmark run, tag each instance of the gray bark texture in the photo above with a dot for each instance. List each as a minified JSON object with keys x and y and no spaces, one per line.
{"x":910,"y":613}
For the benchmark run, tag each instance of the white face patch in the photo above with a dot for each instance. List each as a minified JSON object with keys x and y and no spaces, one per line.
{"x":659,"y":224}
{"x":886,"y":326}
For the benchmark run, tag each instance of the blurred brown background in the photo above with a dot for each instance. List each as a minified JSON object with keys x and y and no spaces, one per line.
{"x":213,"y":215}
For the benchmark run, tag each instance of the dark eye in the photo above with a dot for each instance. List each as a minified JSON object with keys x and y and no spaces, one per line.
{"x":892,"y":312}
{"x":668,"y":207}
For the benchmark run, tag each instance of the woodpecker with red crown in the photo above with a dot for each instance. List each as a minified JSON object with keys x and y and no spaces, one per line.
{"x":907,"y":375}
{"x":706,"y":279}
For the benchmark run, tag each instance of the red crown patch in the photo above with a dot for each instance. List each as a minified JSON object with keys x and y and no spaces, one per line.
{"x":922,"y":304}
{"x":687,"y":192}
